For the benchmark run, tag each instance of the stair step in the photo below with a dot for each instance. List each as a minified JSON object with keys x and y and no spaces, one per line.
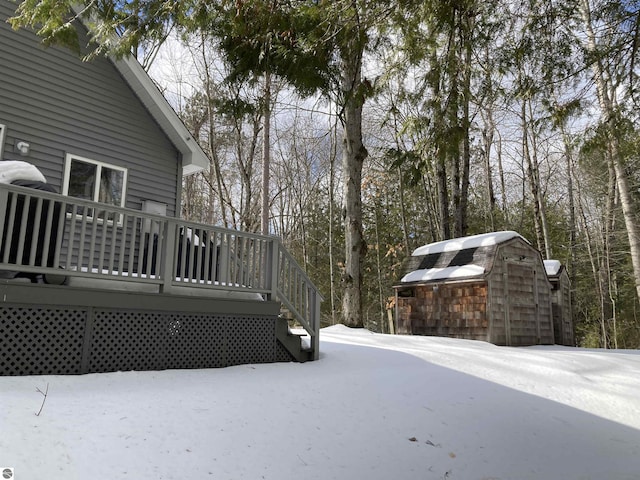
{"x":293,"y":341}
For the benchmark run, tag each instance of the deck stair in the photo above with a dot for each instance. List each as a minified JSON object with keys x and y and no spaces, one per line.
{"x":293,"y":342}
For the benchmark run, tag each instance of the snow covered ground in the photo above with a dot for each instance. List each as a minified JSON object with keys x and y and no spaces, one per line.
{"x":373,"y":407}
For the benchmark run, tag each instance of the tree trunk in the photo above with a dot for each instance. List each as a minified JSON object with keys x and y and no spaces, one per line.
{"x":539,"y":196}
{"x":503,"y":187}
{"x":533,"y":182}
{"x":379,"y":270}
{"x":332,"y":175}
{"x":568,"y":152}
{"x":353,"y":156}
{"x":488,"y":133}
{"x":608,"y":302}
{"x":403,"y":214}
{"x":431,"y":210}
{"x":593,"y":261}
{"x":461,"y":214}
{"x":214,"y":159}
{"x":266,"y":154}
{"x":487,"y":141}
{"x":466,"y":25}
{"x":607,"y":105}
{"x":443,"y":197}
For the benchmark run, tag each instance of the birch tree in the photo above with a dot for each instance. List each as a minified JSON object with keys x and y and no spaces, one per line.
{"x":606,"y":49}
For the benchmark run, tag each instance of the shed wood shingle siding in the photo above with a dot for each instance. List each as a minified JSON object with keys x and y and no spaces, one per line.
{"x":561,"y":306}
{"x":432,"y":312}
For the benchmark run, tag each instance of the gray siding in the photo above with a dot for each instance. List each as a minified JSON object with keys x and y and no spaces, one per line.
{"x":60,"y":105}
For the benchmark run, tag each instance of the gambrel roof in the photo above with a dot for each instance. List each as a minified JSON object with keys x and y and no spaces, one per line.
{"x":465,"y":257}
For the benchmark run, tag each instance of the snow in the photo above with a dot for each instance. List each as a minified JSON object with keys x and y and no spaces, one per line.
{"x":11,"y":170}
{"x":430,"y":274}
{"x":373,"y":407}
{"x":552,"y":267}
{"x":473,"y":241}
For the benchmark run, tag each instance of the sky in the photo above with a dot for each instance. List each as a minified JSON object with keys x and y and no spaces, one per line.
{"x":372,"y":407}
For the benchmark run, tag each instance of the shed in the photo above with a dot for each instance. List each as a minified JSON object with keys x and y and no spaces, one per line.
{"x":490,"y":287}
{"x":560,"y":303}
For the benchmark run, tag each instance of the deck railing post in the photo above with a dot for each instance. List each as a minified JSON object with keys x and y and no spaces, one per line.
{"x":223,"y":258}
{"x":167,"y":256}
{"x":273,"y":268}
{"x":314,"y":309}
{"x":4,"y":201}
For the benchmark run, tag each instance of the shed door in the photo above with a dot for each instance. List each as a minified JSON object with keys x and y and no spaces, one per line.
{"x":521,"y":293}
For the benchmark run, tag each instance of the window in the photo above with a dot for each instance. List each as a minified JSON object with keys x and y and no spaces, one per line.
{"x":95,"y":181}
{"x":2,"y":130}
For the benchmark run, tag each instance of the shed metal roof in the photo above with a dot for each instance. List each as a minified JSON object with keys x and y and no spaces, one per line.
{"x":458,"y":258}
{"x":472,"y":241}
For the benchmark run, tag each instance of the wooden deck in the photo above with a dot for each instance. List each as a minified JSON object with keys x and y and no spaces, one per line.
{"x":226,"y":285}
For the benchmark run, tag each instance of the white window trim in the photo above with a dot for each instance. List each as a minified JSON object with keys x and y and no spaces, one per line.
{"x":3,"y":131}
{"x":67,"y":173}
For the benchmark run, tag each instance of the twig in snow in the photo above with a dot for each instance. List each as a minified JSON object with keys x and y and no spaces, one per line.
{"x":44,"y":399}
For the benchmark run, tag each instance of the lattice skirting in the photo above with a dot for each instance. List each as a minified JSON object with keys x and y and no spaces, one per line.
{"x":54,"y":340}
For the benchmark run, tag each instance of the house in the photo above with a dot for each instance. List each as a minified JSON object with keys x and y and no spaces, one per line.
{"x":118,"y":280}
{"x":490,"y":287}
{"x":561,"y":303}
{"x":96,"y":123}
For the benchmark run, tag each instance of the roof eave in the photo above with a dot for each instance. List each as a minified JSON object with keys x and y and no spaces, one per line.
{"x":440,"y":281}
{"x":193,"y":157}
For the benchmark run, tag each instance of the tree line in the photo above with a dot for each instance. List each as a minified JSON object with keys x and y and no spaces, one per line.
{"x":359,"y":130}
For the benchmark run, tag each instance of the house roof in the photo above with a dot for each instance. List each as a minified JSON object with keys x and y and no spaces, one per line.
{"x":193,"y":157}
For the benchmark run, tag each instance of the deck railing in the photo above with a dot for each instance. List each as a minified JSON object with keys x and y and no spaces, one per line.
{"x":43,"y":233}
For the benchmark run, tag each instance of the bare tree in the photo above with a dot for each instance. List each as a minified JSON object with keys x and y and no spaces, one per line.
{"x":607,"y":98}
